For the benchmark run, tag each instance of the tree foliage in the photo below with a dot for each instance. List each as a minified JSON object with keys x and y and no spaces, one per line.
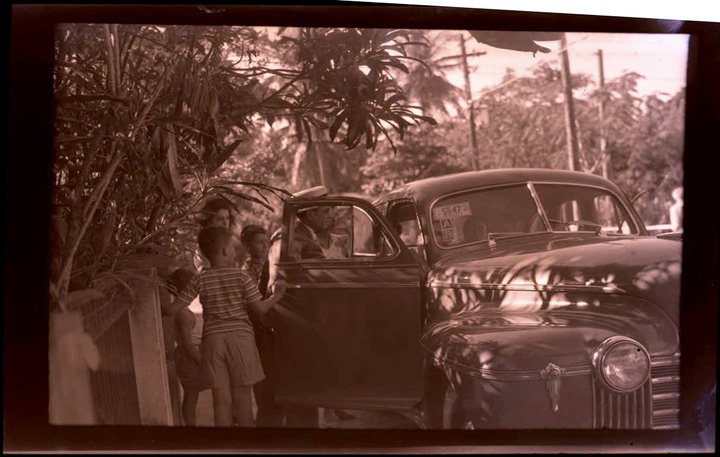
{"x":146,"y":115}
{"x":644,"y":136}
{"x":426,"y":84}
{"x":151,"y":120}
{"x":428,"y":152}
{"x":654,"y":156}
{"x":353,"y":84}
{"x":526,"y":126}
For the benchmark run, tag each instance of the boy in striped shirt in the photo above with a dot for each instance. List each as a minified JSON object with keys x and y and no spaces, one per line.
{"x":230,"y":360}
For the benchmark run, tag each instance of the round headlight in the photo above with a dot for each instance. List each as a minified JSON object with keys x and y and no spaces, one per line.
{"x":622,"y":363}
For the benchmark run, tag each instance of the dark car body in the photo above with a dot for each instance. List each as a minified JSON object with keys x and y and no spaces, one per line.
{"x":518,"y":298}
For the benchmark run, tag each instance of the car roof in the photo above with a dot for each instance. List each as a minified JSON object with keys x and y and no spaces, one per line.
{"x":429,"y":188}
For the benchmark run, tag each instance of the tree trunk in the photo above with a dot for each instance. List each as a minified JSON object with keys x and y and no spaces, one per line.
{"x":298,"y":161}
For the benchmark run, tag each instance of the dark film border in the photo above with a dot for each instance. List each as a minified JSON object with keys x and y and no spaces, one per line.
{"x":27,"y":208}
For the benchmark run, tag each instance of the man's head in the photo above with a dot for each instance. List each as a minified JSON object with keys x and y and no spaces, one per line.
{"x":255,"y":240}
{"x":316,"y":217}
{"x":179,"y":279}
{"x":216,"y":243}
{"x":217,"y":213}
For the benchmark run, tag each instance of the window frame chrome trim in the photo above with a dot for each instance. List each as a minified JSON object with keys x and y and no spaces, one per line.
{"x":530,"y":184}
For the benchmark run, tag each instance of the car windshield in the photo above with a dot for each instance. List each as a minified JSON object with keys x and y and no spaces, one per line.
{"x":498,"y":212}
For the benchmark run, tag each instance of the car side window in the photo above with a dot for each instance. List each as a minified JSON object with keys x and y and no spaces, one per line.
{"x":368,"y":240}
{"x":333,"y":232}
{"x":402,"y":216}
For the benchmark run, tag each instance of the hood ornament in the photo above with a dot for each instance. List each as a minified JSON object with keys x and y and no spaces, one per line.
{"x":552,"y":374}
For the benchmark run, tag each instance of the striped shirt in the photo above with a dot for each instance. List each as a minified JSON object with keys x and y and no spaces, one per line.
{"x":225,"y":294}
{"x":254,"y":268}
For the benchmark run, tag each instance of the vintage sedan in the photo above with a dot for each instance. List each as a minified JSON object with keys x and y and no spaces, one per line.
{"x":506,"y":299}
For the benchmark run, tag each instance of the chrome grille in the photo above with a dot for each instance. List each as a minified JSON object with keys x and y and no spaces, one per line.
{"x":622,"y":411}
{"x":666,"y":393}
{"x":654,"y":405}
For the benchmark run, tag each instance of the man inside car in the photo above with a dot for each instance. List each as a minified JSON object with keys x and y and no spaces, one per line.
{"x":305,"y":242}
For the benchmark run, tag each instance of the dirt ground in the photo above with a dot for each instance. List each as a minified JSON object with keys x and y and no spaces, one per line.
{"x":363,"y":419}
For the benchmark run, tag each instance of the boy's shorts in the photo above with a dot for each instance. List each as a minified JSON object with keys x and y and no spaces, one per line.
{"x":230,"y":359}
{"x":188,"y":370}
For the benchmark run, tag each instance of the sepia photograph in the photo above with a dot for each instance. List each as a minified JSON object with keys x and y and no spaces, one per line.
{"x":369,"y":228}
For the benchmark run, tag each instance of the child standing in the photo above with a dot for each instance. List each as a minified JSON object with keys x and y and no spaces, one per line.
{"x":230,"y":361}
{"x":269,"y":413}
{"x":187,"y":350}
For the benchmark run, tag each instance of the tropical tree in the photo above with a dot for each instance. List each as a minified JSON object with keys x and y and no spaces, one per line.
{"x":426,"y":83}
{"x":526,"y":127}
{"x":350,"y":71}
{"x":644,"y":136}
{"x":146,"y":115}
{"x":654,"y":164}
{"x":622,"y":106}
{"x":428,"y":152}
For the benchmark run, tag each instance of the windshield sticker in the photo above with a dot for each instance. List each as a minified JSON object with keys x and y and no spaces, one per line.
{"x":451,"y":211}
{"x":448,"y":230}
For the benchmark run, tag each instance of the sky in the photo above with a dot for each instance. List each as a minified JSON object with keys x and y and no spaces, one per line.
{"x":660,"y":58}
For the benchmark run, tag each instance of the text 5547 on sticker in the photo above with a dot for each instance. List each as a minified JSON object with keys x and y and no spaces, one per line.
{"x":451,"y":211}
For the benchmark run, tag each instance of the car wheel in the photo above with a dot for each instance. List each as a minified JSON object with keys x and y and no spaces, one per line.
{"x":453,"y":416}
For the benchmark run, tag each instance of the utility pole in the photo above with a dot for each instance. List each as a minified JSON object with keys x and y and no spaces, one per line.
{"x":570,"y":130}
{"x":601,"y":114}
{"x":471,"y":105}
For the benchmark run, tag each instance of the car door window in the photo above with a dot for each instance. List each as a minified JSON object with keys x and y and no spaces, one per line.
{"x":368,"y":240}
{"x":402,"y":216}
{"x":323,"y":232}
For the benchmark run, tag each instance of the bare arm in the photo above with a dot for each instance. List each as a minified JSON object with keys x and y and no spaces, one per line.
{"x":186,"y":323}
{"x":263,"y":306}
{"x":184,"y":298}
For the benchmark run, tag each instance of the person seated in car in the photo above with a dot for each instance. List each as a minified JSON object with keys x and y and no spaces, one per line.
{"x":305,"y":242}
{"x":334,"y":243}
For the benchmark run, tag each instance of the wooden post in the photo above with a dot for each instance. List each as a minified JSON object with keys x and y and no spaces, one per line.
{"x":148,"y":348}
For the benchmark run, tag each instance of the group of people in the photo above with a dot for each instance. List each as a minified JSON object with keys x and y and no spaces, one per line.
{"x":225,"y":358}
{"x":229,"y":347}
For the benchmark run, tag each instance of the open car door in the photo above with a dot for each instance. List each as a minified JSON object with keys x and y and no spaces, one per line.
{"x":348,"y":328}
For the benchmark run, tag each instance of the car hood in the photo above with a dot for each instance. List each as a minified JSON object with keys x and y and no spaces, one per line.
{"x":540,"y":273}
{"x":495,"y":344}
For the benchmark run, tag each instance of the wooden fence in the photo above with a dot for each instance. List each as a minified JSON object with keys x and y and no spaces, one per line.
{"x":130,"y":387}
